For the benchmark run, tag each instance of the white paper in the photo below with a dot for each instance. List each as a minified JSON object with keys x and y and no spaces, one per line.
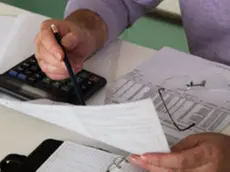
{"x":209,"y":110}
{"x":70,"y":157}
{"x":20,"y":41}
{"x":102,"y":63}
{"x":132,"y":127}
{"x":6,"y":23}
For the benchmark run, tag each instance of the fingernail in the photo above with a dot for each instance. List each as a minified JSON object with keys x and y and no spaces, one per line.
{"x":43,"y":65}
{"x":134,"y":158}
{"x":58,"y":56}
{"x":144,"y":158}
{"x":51,"y":68}
{"x":69,"y":41}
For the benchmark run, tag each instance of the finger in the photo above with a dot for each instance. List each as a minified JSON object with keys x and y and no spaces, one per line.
{"x":136,"y":160}
{"x":49,"y":62}
{"x":190,"y":158}
{"x":49,"y":69}
{"x":56,"y":76}
{"x":60,"y":24}
{"x":48,"y":40}
{"x":158,"y":169}
{"x":74,"y":50}
{"x":70,"y":41}
{"x":187,"y":143}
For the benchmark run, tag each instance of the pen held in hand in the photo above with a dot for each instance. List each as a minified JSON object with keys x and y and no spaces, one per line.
{"x":77,"y":89}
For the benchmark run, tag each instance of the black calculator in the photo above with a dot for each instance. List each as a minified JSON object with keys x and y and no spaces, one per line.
{"x":26,"y":81}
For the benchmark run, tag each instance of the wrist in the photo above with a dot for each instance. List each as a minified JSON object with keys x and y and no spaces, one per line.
{"x":90,"y":21}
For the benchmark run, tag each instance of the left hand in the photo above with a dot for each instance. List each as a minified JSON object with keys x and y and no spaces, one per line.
{"x":206,"y":152}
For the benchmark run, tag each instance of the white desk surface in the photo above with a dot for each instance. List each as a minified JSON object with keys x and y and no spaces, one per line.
{"x":21,"y":134}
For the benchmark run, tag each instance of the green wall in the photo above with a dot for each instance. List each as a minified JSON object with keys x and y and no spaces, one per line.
{"x":147,"y":31}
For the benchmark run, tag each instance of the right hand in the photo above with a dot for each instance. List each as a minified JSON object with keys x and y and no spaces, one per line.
{"x":204,"y":152}
{"x":79,"y":43}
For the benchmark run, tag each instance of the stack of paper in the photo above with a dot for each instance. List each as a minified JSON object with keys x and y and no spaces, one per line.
{"x":132,"y":127}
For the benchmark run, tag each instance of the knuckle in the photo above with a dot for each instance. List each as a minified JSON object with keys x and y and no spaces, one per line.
{"x":36,"y":39}
{"x":45,"y":23}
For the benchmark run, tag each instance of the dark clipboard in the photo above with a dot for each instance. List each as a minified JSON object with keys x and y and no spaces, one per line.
{"x":31,"y":163}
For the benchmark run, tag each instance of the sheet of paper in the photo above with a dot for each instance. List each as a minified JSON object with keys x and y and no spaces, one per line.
{"x":70,"y":157}
{"x":132,"y":127}
{"x":7,"y":9}
{"x":103,"y":64}
{"x":6,"y":23}
{"x":209,"y":109}
{"x":20,"y":42}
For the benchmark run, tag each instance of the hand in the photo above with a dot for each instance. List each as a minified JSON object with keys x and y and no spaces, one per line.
{"x":82,"y":33}
{"x":207,"y":152}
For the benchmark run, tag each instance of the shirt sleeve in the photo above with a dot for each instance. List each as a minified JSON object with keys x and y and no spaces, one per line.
{"x":117,"y":14}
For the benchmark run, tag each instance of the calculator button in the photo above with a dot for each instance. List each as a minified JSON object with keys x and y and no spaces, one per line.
{"x":33,"y":60}
{"x":84,"y":88}
{"x":89,"y":83}
{"x":84,"y":74}
{"x":34,"y":68}
{"x":20,"y":69}
{"x":47,"y":80}
{"x":94,"y":78}
{"x":64,"y":82}
{"x":78,"y":79}
{"x":26,"y":65}
{"x":67,"y":88}
{"x":31,"y":79}
{"x":27,"y":72}
{"x":22,"y":76}
{"x":13,"y":73}
{"x":39,"y":76}
{"x":56,"y":84}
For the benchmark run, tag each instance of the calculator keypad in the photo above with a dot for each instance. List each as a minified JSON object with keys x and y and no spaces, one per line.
{"x":30,"y":72}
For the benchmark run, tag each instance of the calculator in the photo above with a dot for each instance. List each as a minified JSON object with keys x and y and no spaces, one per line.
{"x":26,"y":81}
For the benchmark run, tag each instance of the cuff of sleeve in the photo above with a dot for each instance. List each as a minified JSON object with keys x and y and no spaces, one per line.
{"x":113,"y":14}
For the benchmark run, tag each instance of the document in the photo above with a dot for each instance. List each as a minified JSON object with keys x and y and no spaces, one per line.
{"x":71,"y":157}
{"x":6,"y":23}
{"x":131,"y":127}
{"x":19,"y":43}
{"x":207,"y":107}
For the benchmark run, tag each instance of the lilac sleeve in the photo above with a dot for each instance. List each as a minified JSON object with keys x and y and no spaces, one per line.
{"x":117,"y":14}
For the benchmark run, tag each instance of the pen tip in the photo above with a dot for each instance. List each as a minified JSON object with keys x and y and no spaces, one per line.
{"x":54,"y":28}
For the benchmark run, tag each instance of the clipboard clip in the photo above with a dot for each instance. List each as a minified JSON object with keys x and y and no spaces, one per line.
{"x":12,"y":162}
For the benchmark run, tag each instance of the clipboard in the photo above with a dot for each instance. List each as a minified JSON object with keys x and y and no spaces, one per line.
{"x":30,"y":163}
{"x":35,"y":161}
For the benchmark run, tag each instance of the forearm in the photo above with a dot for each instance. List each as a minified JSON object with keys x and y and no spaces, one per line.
{"x":89,"y":20}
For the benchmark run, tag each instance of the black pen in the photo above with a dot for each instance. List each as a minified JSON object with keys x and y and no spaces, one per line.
{"x":78,"y":92}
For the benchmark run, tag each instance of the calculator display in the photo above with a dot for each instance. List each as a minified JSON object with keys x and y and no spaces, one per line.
{"x":26,"y":81}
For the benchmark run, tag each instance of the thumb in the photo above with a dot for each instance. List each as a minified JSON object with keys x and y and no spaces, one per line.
{"x":70,"y":41}
{"x":188,"y":143}
{"x":188,"y":158}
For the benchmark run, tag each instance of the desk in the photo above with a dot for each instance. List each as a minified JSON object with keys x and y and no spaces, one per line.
{"x":21,"y":134}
